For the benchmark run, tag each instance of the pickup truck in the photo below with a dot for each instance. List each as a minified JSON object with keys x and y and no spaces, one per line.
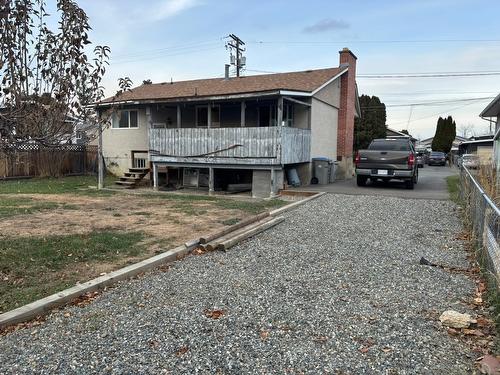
{"x":386,"y":159}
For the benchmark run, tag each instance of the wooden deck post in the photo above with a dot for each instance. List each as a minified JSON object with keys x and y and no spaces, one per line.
{"x":211,"y":181}
{"x":280,"y":111}
{"x":155,"y":176}
{"x":209,"y":116}
{"x":100,"y":171}
{"x":179,"y":117}
{"x":243,"y":107}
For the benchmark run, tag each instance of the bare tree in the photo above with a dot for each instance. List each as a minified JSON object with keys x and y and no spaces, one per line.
{"x":466,"y":130}
{"x":46,"y":76}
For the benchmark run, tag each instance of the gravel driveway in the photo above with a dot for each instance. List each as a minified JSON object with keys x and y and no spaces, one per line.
{"x":336,"y":288}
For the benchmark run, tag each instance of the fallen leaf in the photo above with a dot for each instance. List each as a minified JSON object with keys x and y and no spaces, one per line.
{"x":364,"y":349}
{"x":264,"y":335}
{"x":67,"y":315}
{"x":153,"y":344}
{"x":214,"y":314}
{"x":387,"y":349}
{"x":181,"y":351}
{"x":482,"y":322}
{"x":482,"y":287}
{"x":321,"y":339}
{"x":474,"y":332}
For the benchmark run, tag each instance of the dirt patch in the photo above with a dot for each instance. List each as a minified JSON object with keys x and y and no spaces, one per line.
{"x":159,"y":218}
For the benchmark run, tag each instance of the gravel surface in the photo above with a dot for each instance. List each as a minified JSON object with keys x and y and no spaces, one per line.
{"x":336,"y":288}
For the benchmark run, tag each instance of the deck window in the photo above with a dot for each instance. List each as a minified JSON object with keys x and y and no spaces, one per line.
{"x":288,"y":115}
{"x":126,"y":119}
{"x":202,"y":115}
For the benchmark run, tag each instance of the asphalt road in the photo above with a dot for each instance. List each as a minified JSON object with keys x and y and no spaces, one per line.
{"x":431,"y":185}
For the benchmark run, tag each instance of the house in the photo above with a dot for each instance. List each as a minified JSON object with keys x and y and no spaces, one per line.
{"x":249,"y":130}
{"x":492,"y":111}
{"x":391,"y":133}
{"x":427,"y":143}
{"x":482,"y":147}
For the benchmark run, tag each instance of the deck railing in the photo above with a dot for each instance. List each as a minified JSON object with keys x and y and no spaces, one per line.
{"x":251,"y":145}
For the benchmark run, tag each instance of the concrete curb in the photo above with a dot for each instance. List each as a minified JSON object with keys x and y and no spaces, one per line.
{"x":44,"y":305}
{"x":293,"y":205}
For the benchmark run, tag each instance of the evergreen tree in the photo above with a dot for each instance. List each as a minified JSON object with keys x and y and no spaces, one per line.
{"x":371,"y":124}
{"x":446,"y":131}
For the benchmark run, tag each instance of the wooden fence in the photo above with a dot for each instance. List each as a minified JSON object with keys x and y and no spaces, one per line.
{"x":38,"y":161}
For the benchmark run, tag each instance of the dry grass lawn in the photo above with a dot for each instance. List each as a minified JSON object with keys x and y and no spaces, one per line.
{"x":68,"y":233}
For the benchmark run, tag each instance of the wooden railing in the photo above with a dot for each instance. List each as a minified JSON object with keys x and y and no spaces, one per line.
{"x":263,"y":145}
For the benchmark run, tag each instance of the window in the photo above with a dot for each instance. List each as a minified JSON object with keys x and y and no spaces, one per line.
{"x":288,"y":115}
{"x":202,"y":115}
{"x":389,"y":145}
{"x":126,"y":119}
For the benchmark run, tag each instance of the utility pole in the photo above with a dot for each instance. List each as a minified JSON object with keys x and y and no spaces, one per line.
{"x":235,"y":44}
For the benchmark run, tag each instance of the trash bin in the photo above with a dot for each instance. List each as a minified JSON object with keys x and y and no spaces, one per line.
{"x":321,"y":171}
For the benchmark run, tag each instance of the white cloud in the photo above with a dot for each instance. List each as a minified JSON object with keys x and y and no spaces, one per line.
{"x":169,"y":8}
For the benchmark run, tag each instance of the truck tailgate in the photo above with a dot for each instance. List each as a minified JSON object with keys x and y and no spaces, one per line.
{"x":374,"y":159}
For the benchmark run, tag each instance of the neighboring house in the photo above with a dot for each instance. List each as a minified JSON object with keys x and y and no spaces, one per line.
{"x":246,"y":130}
{"x":492,"y":113}
{"x":427,"y":143}
{"x":391,"y":133}
{"x":483,"y":148}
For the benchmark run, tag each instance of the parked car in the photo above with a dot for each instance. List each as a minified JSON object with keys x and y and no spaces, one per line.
{"x":437,"y":158}
{"x":386,"y":159}
{"x":420,"y":159}
{"x":470,"y":161}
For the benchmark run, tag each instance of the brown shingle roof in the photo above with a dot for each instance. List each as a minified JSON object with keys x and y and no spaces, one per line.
{"x":308,"y":80}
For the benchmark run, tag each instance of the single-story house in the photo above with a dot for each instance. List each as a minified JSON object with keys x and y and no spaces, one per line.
{"x":252,"y":130}
{"x":391,"y":133}
{"x":483,"y":148}
{"x":427,"y":143}
{"x":492,"y":111}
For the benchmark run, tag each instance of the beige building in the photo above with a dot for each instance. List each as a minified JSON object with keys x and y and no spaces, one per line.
{"x":259,"y":130}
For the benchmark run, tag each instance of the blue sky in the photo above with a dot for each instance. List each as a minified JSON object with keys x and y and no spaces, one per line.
{"x":183,"y":39}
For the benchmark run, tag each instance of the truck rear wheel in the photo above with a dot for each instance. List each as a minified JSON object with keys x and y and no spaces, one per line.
{"x":361,"y":180}
{"x":410,"y":184}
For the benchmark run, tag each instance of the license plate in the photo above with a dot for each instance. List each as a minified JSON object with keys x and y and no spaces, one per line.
{"x":383,"y":172}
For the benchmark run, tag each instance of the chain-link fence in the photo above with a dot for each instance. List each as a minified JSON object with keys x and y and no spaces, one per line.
{"x":482,"y":216}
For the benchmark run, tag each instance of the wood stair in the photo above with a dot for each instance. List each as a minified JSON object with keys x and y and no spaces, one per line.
{"x":132,"y":178}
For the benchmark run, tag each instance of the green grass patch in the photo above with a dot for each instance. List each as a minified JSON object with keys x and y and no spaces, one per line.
{"x":10,"y":206}
{"x":34,"y":267}
{"x":453,"y":184}
{"x":231,"y":221}
{"x":63,"y":185}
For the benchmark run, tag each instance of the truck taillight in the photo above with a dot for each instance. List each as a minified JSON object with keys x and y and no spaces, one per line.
{"x":411,"y":160}
{"x":357,"y":159}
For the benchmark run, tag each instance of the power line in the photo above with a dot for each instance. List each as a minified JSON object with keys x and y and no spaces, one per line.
{"x":165,"y":55}
{"x":378,"y":41}
{"x":430,"y":103}
{"x":192,"y":45}
{"x":433,"y":115}
{"x":430,"y":75}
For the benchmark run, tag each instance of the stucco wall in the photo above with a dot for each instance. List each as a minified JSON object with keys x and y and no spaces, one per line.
{"x":117,"y":143}
{"x":324,"y":121}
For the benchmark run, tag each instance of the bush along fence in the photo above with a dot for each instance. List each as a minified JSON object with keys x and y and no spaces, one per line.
{"x":38,"y":161}
{"x":482,"y":216}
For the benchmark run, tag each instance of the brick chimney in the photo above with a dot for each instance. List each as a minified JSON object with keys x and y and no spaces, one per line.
{"x":345,"y":133}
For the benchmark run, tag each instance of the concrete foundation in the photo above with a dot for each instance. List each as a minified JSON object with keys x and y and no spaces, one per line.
{"x":262,"y":184}
{"x":345,"y":168}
